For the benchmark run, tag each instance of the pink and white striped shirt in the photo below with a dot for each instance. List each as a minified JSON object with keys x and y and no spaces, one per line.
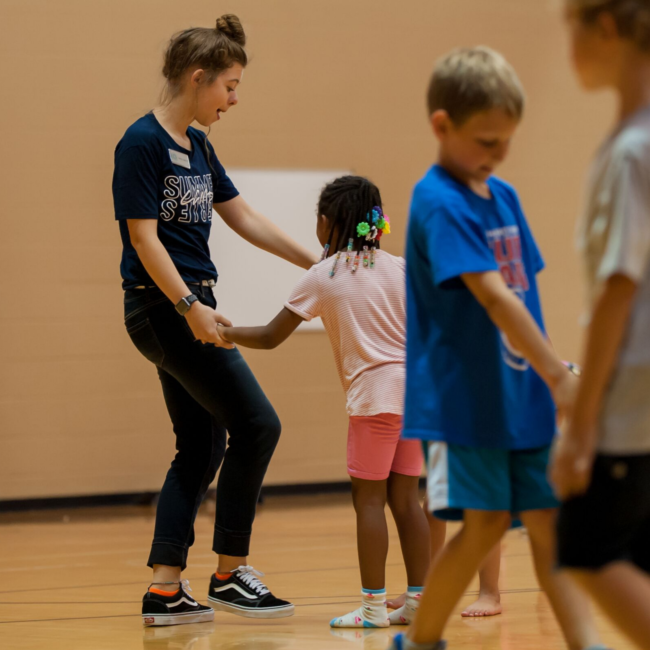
{"x":364,"y":314}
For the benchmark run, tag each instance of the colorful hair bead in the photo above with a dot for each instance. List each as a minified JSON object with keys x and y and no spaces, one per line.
{"x":372,"y":257}
{"x":355,"y":265}
{"x":325,"y":251}
{"x":350,"y":245}
{"x":336,"y":261}
{"x":365,"y":256}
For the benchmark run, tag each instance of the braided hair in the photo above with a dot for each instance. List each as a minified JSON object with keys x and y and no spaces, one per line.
{"x":346,"y":202}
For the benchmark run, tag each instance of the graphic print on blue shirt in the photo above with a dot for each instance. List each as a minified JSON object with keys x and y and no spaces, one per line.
{"x":156,"y":178}
{"x":465,"y":382}
{"x":506,"y":246}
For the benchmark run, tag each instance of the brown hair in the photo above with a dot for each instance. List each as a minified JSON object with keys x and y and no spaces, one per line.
{"x":214,"y":50}
{"x":472,"y":80}
{"x":632,"y":17}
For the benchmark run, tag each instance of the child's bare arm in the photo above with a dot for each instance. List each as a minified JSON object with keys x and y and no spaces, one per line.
{"x":510,"y":315}
{"x":265,"y":337}
{"x":573,"y":458}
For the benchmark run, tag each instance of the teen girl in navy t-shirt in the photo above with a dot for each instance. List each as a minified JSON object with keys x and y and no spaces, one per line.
{"x":167,"y":179}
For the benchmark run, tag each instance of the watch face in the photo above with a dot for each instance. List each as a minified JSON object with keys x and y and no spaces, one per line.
{"x":184,"y":304}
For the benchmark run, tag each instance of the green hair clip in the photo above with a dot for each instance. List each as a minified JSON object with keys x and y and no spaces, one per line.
{"x":363,"y":229}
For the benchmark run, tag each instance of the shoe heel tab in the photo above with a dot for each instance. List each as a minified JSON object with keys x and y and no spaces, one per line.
{"x":153,"y":606}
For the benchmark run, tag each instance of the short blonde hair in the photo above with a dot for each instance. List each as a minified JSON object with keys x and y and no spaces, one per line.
{"x":472,"y":80}
{"x":632,"y":17}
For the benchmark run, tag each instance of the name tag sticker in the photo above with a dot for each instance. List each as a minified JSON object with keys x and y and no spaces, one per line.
{"x":180,"y":159}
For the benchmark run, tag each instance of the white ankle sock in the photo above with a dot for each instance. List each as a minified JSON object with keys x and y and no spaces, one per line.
{"x":405,"y":614}
{"x":372,"y":613}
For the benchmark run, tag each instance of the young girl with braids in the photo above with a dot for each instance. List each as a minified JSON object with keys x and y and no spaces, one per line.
{"x":359,"y":292}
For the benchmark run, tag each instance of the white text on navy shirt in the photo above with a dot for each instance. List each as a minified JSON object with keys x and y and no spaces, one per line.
{"x":193,"y":193}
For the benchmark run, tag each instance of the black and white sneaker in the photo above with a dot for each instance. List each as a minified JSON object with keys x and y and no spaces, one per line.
{"x":244,"y":594}
{"x":177,"y":609}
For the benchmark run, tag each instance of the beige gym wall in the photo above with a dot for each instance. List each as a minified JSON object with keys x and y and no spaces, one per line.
{"x":331,"y":84}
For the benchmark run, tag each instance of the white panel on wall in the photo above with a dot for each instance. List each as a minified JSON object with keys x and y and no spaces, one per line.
{"x":253,"y":285}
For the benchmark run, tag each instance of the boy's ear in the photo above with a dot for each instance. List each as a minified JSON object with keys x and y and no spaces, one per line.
{"x":440,"y":123}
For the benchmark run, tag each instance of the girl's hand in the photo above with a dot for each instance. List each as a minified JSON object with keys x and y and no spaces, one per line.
{"x":204,"y":322}
{"x":571,"y":462}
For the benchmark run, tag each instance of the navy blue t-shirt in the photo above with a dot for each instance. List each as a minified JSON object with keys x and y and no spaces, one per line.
{"x":466,"y":384}
{"x":156,"y":178}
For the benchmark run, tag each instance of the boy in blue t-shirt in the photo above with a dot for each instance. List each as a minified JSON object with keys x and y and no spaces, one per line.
{"x":482,"y":377}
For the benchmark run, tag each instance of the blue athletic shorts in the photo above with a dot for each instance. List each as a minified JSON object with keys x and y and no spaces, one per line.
{"x":474,"y":478}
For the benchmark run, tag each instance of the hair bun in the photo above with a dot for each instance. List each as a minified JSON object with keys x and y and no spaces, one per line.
{"x":231,"y":26}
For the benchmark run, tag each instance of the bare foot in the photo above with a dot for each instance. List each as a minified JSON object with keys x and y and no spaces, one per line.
{"x":486,"y":605}
{"x":397,"y":603}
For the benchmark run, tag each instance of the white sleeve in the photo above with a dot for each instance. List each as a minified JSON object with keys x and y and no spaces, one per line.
{"x":305,"y":298}
{"x":627,"y":249}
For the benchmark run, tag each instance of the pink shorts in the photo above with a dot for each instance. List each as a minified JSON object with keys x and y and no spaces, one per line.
{"x":375,"y":448}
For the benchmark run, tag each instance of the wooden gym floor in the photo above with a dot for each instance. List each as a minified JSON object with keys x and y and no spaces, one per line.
{"x":75,"y":580}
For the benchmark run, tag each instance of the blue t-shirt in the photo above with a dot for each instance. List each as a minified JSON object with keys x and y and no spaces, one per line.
{"x":465,"y":383}
{"x":156,"y":178}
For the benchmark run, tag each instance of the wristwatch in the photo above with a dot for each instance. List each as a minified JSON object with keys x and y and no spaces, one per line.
{"x":573,"y":368}
{"x":184,"y":304}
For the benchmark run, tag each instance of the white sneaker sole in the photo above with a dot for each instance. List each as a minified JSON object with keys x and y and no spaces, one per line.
{"x":268,"y":612}
{"x":150,"y":620}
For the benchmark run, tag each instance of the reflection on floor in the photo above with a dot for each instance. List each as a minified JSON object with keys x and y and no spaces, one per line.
{"x":75,"y":580}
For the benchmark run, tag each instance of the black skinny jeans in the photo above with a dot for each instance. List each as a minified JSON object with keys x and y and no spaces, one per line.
{"x":219,"y":413}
